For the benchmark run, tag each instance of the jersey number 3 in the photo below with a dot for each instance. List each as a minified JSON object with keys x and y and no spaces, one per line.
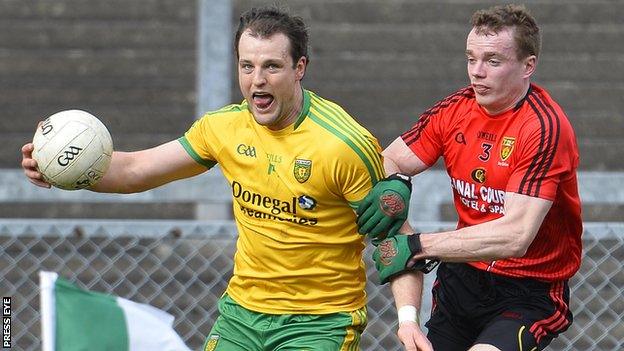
{"x":485,"y":155}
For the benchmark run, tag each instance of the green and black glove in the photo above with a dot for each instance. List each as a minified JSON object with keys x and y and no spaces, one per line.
{"x":393,"y":254}
{"x":384,"y":209}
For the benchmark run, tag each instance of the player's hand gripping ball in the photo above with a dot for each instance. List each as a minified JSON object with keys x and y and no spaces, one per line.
{"x":385,"y":208}
{"x":73,"y":149}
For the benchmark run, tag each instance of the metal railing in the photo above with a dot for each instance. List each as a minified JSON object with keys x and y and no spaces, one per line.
{"x":183,"y":267}
{"x":603,"y":188}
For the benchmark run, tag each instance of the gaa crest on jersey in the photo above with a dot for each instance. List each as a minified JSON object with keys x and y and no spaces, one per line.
{"x":306,"y":202}
{"x":302,"y":170}
{"x":507,"y":146}
{"x":478,"y":175}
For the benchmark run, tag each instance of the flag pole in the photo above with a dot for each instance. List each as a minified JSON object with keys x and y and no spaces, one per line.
{"x":46,"y":297}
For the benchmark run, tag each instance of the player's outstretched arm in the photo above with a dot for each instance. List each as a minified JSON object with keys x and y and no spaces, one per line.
{"x":508,"y":236}
{"x":137,"y":171}
{"x":505,"y":237}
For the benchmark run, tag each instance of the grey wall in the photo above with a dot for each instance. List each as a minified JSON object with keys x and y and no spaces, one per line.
{"x":388,"y":61}
{"x":131,"y":63}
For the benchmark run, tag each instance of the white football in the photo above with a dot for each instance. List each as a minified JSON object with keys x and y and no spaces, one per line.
{"x":73,"y":149}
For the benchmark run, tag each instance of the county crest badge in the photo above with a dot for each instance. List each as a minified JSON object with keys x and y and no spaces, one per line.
{"x":302,"y":170}
{"x":507,"y":146}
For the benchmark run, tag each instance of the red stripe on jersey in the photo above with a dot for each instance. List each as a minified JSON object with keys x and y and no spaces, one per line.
{"x":413,"y":134}
{"x":434,"y":302}
{"x":551,"y":112}
{"x":549,"y":120}
{"x":558,"y":321}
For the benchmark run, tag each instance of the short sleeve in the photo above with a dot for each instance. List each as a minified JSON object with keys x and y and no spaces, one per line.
{"x":358,"y":170}
{"x":426,"y":138}
{"x":199,"y":141}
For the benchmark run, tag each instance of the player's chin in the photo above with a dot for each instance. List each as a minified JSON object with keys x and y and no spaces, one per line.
{"x":265,"y":117}
{"x":485,"y":101}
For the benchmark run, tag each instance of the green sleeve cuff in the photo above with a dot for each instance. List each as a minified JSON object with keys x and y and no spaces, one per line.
{"x":189,"y":149}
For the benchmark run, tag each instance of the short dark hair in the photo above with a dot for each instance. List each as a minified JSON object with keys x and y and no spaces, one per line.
{"x":526,"y":31}
{"x":266,"y":21}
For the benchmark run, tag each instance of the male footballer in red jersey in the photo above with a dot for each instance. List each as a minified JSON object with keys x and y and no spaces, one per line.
{"x":511,"y":156}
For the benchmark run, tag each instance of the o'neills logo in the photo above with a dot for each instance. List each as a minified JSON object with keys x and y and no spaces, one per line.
{"x":387,"y":251}
{"x":391,"y":203}
{"x":478,"y":175}
{"x":507,"y":146}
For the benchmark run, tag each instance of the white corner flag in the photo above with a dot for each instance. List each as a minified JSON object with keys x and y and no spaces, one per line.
{"x":73,"y":319}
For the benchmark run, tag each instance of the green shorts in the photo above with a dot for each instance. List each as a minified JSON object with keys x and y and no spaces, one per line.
{"x":239,"y":329}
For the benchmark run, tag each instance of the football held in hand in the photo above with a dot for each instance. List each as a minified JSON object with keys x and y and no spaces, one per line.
{"x":73,"y":149}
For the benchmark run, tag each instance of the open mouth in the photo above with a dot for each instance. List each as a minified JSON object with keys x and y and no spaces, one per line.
{"x":262,"y":101}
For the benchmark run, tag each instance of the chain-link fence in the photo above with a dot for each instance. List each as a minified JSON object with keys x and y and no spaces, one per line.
{"x":183,"y":267}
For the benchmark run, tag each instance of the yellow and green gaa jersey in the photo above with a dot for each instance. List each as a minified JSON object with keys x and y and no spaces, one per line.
{"x":293,"y":190}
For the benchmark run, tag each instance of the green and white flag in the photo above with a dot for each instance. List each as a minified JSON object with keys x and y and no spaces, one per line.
{"x":73,"y":319}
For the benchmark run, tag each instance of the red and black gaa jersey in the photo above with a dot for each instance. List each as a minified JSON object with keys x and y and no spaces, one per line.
{"x":529,"y":150}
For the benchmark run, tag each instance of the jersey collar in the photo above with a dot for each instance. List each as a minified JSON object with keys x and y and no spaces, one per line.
{"x":304,"y":110}
{"x":519,"y":104}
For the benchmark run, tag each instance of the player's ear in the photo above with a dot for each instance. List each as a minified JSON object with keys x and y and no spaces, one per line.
{"x":300,"y":67}
{"x":530,"y":64}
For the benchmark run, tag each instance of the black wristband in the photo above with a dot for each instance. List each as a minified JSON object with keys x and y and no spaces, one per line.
{"x":413,"y":241}
{"x":405,"y":179}
{"x":424,"y":265}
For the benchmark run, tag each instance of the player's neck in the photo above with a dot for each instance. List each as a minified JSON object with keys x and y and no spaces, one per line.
{"x":518,"y":96}
{"x":291,"y":115}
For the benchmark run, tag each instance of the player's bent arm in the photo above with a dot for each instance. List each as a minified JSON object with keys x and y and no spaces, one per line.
{"x":137,"y":171}
{"x":399,"y":158}
{"x":407,"y":290}
{"x":505,"y":237}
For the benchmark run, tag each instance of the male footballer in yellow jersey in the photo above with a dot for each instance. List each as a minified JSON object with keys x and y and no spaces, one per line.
{"x":298,"y":165}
